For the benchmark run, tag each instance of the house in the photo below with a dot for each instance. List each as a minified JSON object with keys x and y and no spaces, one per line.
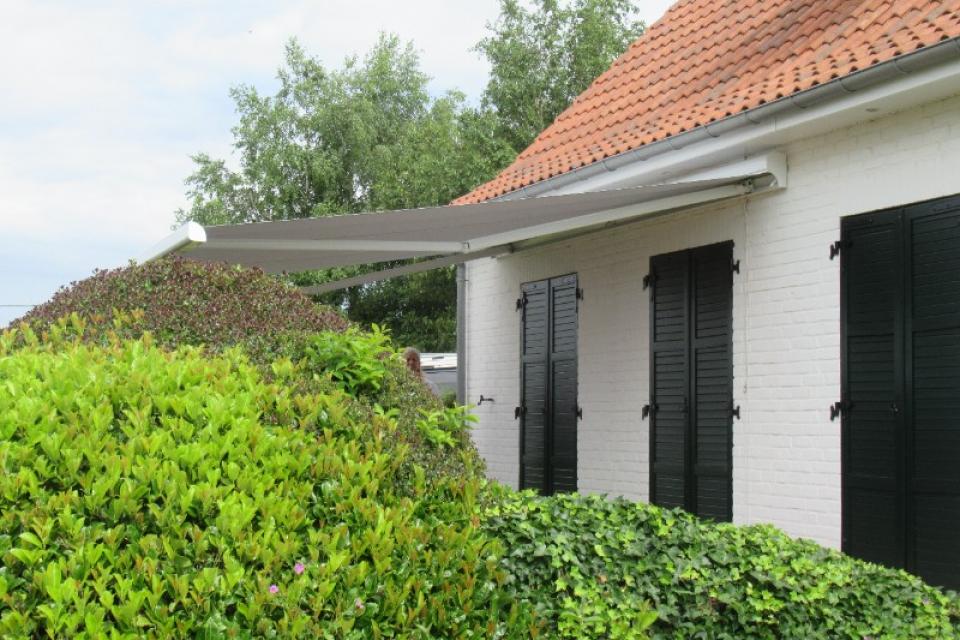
{"x":726,"y":279}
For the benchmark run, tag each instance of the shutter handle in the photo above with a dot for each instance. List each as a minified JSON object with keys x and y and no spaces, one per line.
{"x":895,"y":408}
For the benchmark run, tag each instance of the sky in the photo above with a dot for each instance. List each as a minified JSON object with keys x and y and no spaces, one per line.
{"x":103,"y":102}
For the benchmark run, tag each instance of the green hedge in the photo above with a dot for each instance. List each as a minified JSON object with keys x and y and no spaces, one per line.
{"x":600,"y":568}
{"x":185,"y":302}
{"x":147,"y":493}
{"x":366,"y":366}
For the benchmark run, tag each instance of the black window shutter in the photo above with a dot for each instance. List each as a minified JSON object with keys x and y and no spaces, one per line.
{"x":562,"y":437}
{"x":548,"y":385}
{"x":900,"y":340}
{"x":932,"y":412}
{"x":669,"y":374}
{"x":872,"y":431}
{"x":533,"y":386}
{"x":711,"y":341}
{"x":691,"y":377}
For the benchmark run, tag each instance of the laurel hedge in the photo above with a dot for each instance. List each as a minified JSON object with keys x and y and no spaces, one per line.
{"x":154,"y":493}
{"x":219,"y":307}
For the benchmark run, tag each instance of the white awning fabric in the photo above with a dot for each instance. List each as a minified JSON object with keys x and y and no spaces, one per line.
{"x":454,"y":233}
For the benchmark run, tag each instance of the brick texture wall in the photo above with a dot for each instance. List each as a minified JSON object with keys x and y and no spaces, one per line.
{"x":786,"y":452}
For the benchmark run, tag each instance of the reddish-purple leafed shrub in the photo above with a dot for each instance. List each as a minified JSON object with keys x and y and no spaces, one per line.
{"x":197,"y":303}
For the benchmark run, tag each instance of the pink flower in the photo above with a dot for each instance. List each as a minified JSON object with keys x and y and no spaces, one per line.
{"x":358,"y":603}
{"x":274,"y":589}
{"x":299,"y":568}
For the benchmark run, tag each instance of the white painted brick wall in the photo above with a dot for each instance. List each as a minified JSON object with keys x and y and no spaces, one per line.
{"x":786,"y":452}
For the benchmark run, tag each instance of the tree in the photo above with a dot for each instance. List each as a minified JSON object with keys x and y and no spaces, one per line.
{"x":367,"y":136}
{"x":544,"y":56}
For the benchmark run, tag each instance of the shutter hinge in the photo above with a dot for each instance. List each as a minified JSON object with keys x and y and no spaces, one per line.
{"x":579,"y":293}
{"x":735,"y":266}
{"x":522,"y":302}
{"x":649,"y":280}
{"x":837,"y":247}
{"x":840,"y":409}
{"x":519,"y":412}
{"x":578,"y":410}
{"x":647,"y":410}
{"x":735,"y":412}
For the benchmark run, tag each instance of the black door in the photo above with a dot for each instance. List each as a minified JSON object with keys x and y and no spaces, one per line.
{"x":900,"y":297}
{"x":548,"y":385}
{"x":691,"y":380}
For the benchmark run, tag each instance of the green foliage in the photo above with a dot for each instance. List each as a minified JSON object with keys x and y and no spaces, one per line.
{"x":420,"y":309}
{"x":148,"y":493}
{"x":187,"y":302}
{"x":219,"y":307}
{"x":544,"y":56}
{"x":588,"y":564}
{"x":366,"y":366}
{"x":356,"y":360}
{"x":369,"y":136}
{"x":449,"y":399}
{"x":440,"y":426}
{"x":406,"y":397}
{"x":364,"y":137}
{"x":435,"y":439}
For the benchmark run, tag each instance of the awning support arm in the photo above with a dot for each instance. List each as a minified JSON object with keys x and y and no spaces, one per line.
{"x":407,"y":269}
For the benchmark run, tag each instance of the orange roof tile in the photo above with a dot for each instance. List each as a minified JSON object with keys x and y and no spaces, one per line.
{"x":706,"y":60}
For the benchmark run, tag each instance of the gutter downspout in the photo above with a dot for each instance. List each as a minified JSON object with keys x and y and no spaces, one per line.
{"x":461,"y":334}
{"x":898,"y":67}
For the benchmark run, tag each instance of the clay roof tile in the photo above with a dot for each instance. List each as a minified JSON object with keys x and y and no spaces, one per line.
{"x":706,"y":60}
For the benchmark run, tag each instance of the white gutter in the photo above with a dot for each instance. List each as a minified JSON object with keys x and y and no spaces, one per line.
{"x":922,"y":76}
{"x":183,"y":239}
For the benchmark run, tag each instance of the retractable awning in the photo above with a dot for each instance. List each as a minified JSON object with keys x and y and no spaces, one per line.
{"x":454,"y":234}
